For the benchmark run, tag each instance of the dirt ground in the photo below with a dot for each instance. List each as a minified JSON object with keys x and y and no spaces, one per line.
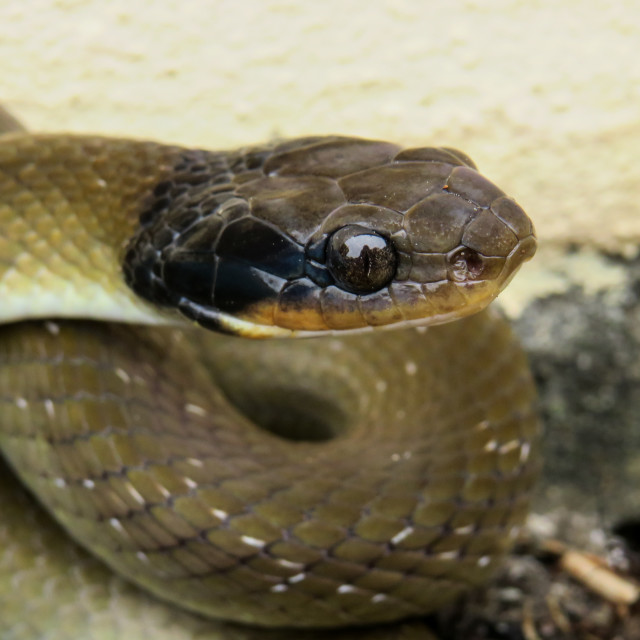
{"x":535,"y":598}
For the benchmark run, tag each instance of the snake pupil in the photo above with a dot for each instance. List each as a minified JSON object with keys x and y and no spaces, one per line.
{"x":360,"y":261}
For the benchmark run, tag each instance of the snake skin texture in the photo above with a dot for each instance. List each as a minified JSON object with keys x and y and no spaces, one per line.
{"x":332,"y":481}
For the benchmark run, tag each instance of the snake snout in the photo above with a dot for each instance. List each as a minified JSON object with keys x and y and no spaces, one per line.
{"x":525,"y":250}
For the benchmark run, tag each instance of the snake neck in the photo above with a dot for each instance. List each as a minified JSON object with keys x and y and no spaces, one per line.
{"x":68,"y":205}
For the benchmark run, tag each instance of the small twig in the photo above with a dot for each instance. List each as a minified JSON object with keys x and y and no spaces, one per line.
{"x":594,"y":574}
{"x":528,"y":624}
{"x":557,"y":614}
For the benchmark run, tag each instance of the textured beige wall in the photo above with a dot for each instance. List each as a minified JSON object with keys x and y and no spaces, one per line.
{"x":544,"y":95}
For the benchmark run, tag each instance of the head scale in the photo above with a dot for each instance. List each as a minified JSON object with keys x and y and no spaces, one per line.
{"x":321,"y":234}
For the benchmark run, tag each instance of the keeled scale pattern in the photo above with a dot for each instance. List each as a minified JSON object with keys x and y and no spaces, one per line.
{"x":121,"y":434}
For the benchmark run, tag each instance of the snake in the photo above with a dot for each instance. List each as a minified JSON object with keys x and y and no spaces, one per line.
{"x":254,"y":390}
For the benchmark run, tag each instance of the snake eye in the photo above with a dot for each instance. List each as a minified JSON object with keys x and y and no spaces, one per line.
{"x":360,"y":261}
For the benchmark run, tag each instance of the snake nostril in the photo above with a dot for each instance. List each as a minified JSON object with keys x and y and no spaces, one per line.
{"x":466,"y":264}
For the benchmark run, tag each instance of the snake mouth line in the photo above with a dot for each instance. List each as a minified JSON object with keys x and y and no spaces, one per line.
{"x":227,"y":323}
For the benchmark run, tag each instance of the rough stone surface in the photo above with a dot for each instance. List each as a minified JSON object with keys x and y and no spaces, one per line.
{"x":584,"y":349}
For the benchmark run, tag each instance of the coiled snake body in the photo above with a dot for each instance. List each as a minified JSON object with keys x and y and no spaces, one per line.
{"x":356,"y":477}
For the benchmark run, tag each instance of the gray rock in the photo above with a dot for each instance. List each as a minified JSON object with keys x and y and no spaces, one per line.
{"x":584,"y":349}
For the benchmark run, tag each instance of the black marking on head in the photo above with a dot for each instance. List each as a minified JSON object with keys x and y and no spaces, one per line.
{"x":200,"y":248}
{"x":193,"y":279}
{"x":253,"y":242}
{"x":176,"y":227}
{"x":239,"y":286}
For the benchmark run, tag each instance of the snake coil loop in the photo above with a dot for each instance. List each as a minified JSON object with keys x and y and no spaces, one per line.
{"x":340,"y":480}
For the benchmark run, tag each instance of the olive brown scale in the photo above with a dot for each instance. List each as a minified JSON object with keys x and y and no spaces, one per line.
{"x":352,"y":478}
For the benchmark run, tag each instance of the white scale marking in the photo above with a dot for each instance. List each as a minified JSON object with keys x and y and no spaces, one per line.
{"x":141,"y":555}
{"x":192,"y":484}
{"x":253,"y":542}
{"x":135,"y":494}
{"x":290,"y":565}
{"x":279,"y":588}
{"x":116,"y":524}
{"x":164,"y":491}
{"x":52,"y":327}
{"x":195,"y":409}
{"x":219,"y":513}
{"x":346,"y":588}
{"x":463,"y":531}
{"x":299,"y":577}
{"x":49,"y":408}
{"x":88,"y":483}
{"x":21,"y":403}
{"x":400,"y":536}
{"x":410,"y":367}
{"x":509,"y":446}
{"x":492,"y":445}
{"x":123,"y":375}
{"x":484,"y":561}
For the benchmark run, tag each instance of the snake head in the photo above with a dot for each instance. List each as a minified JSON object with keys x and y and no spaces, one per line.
{"x":326,"y":234}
